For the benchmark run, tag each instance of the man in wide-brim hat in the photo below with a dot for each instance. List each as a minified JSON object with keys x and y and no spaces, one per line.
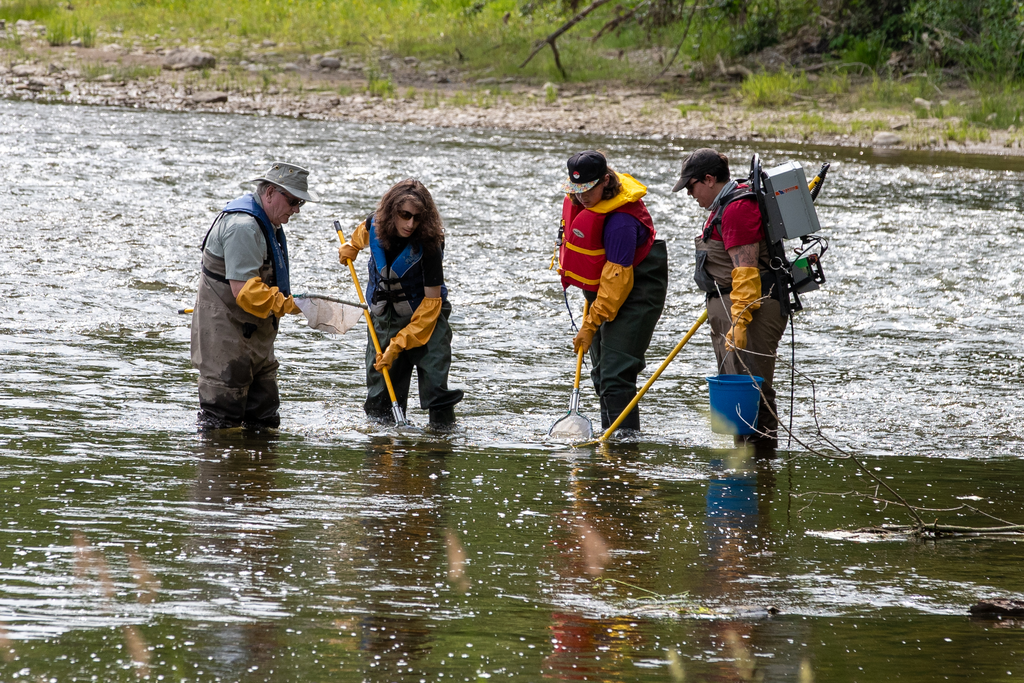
{"x":243,"y":293}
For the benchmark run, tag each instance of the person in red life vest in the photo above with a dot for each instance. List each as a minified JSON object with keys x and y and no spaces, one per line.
{"x":408,"y":302}
{"x":610,"y":250}
{"x":733,"y":270}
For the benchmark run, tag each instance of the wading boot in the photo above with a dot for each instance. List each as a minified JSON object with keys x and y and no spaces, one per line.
{"x":208,"y":422}
{"x":615,"y":404}
{"x":263,"y":425}
{"x":379,"y":410}
{"x":763,"y":445}
{"x":442,"y":418}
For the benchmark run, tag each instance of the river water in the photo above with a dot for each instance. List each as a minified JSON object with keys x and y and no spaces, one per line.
{"x":133,"y":547}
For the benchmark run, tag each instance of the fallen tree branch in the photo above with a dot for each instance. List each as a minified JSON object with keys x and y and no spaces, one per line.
{"x":614,"y":23}
{"x":550,"y":40}
{"x":826,"y":65}
{"x":686,"y":32}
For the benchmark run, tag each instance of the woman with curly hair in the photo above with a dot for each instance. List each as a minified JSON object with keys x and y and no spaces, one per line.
{"x":408,"y":302}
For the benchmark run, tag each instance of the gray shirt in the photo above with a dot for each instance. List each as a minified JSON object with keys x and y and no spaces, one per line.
{"x":238,"y":240}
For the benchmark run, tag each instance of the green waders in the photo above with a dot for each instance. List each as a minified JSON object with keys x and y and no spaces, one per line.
{"x":432,"y":363}
{"x":617,"y":352}
{"x":234,"y":353}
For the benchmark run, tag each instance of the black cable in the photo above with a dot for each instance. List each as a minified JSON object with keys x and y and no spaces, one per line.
{"x":792,"y":378}
{"x":572,"y":321}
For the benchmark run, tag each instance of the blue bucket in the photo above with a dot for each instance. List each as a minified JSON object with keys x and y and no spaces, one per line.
{"x":734,"y":402}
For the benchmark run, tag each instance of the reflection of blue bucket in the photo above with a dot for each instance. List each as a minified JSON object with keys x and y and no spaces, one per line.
{"x":734,"y":401}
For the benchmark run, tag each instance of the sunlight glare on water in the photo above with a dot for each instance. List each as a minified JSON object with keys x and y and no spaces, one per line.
{"x":336,"y":550}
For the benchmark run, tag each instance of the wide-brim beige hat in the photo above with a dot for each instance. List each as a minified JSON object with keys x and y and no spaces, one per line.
{"x":291,"y":178}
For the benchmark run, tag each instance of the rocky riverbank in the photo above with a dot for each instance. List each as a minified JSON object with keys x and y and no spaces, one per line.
{"x":276,"y":80}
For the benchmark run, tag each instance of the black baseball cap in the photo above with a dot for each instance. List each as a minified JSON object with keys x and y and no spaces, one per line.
{"x":700,"y":163}
{"x":586,"y":169}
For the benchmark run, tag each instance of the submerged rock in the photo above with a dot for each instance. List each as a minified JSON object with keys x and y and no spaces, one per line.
{"x":998,"y":608}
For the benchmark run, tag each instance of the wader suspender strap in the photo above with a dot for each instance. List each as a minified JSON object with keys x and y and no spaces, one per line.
{"x":383,"y":291}
{"x":716,"y":219}
{"x":202,"y":249}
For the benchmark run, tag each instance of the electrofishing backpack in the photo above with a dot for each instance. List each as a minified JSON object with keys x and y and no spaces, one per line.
{"x":786,"y":202}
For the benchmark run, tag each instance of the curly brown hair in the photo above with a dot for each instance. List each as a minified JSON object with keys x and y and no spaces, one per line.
{"x":429,"y":232}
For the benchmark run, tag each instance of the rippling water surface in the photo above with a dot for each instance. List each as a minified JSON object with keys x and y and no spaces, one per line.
{"x":132,"y":547}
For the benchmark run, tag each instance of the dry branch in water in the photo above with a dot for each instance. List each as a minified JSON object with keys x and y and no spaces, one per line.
{"x":456,"y":561}
{"x":550,"y":40}
{"x":919,"y":527}
{"x":593,"y":547}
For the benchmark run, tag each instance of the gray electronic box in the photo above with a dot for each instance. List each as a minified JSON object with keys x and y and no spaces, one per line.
{"x":790,"y":207}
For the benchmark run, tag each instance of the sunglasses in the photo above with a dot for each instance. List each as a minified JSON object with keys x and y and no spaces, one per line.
{"x":690,"y":185}
{"x":292,"y":201}
{"x":405,"y":216}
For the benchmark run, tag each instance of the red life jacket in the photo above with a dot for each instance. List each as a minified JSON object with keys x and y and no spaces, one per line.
{"x":581,"y":256}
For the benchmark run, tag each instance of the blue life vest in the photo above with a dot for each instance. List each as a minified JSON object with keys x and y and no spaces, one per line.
{"x":277,"y":245}
{"x":401,"y":283}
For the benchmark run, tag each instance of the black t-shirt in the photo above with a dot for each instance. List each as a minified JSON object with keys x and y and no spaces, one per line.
{"x":433,"y":271}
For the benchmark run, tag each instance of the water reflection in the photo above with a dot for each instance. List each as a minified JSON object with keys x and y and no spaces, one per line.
{"x":739,"y":545}
{"x":302,"y":546}
{"x":403,"y":553}
{"x":608,"y":543}
{"x":236,"y":548}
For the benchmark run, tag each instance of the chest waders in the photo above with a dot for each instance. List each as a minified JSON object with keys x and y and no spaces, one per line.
{"x":234,"y":350}
{"x":783,"y":199}
{"x":393,"y":293}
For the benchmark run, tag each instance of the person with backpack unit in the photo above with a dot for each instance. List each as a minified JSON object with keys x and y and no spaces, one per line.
{"x":733,"y":270}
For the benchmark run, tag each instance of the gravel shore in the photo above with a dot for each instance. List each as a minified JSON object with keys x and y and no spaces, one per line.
{"x":331,"y":87}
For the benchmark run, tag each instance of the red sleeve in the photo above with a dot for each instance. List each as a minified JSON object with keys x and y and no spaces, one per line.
{"x":741,"y":224}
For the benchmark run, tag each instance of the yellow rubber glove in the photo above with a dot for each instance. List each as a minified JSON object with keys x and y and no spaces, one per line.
{"x":746,"y":290}
{"x":359,"y":240}
{"x":616,"y":284}
{"x":585,"y":337}
{"x":262,"y":301}
{"x":416,"y":333}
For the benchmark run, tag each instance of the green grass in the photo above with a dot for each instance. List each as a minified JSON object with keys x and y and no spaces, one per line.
{"x":869,"y":126}
{"x":808,"y":122}
{"x":835,"y":83}
{"x":999,"y":108}
{"x":766,"y":89}
{"x":432,"y":99}
{"x":119,"y":72}
{"x":471,"y":35}
{"x":30,"y":10}
{"x":380,"y":86}
{"x":61,"y":29}
{"x":964,"y":131}
{"x":804,"y":124}
{"x":550,"y":93}
{"x":685,"y":109}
